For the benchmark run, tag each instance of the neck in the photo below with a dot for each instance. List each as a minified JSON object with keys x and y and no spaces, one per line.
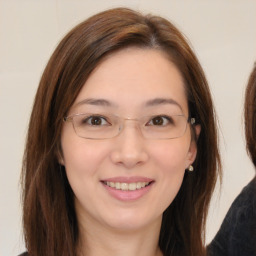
{"x":101,"y":240}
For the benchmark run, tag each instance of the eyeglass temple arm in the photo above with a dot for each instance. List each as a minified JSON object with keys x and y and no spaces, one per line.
{"x":67,"y":119}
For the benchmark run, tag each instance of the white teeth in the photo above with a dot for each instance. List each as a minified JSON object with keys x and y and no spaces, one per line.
{"x":132,"y":186}
{"x":126,"y":186}
{"x":138,"y":185}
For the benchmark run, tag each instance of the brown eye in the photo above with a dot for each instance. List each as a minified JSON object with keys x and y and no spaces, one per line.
{"x":95,"y":121}
{"x":157,"y":120}
{"x":161,"y":121}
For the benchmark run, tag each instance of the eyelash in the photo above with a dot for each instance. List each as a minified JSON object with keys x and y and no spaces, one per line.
{"x":168,"y":118}
{"x":87,"y":120}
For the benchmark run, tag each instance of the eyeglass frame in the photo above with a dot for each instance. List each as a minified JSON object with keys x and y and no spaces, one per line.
{"x":189,"y":120}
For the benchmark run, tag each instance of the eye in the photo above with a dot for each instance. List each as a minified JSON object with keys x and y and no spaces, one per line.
{"x":95,"y":121}
{"x":160,"y":121}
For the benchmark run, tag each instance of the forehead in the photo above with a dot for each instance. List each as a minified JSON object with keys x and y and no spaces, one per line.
{"x":132,"y":77}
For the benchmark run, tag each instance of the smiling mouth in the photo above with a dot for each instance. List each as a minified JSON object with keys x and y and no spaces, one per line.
{"x":124,"y":186}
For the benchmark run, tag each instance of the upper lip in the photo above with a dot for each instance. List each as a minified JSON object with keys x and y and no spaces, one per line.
{"x":132,"y":179}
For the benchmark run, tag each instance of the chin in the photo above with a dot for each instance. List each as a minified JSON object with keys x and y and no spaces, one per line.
{"x":131,"y":221}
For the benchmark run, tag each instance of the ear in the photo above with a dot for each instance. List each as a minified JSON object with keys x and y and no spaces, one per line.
{"x":61,"y":160}
{"x":59,"y":156}
{"x":193,"y":146}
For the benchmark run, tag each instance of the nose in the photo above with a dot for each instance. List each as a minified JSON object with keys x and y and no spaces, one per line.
{"x":129,"y":147}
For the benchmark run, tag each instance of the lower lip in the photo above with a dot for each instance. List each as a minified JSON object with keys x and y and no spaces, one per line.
{"x":128,"y":195}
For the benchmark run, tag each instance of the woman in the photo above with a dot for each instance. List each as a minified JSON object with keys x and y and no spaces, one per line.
{"x":122,"y":110}
{"x":237,"y":235}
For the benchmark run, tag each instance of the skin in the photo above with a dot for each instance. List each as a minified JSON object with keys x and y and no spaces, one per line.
{"x":127,"y":79}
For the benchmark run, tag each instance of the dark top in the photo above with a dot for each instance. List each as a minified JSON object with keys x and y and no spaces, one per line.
{"x":237,"y":234}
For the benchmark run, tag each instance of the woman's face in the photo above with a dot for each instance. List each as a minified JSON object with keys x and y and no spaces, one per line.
{"x":127,"y":182}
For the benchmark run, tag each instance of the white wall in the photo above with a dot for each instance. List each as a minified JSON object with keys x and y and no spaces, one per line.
{"x":222,"y":33}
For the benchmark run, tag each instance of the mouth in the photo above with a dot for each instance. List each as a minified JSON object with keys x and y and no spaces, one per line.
{"x":128,"y":188}
{"x":125,"y":186}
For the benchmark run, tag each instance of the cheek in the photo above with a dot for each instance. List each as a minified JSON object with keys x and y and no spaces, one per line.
{"x":170,"y":159}
{"x":82,"y":162}
{"x":171,"y":156}
{"x":82,"y":157}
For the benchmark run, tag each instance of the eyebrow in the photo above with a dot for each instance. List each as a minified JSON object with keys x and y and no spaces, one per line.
{"x":96,"y":102}
{"x":149,"y":103}
{"x":162,"y":101}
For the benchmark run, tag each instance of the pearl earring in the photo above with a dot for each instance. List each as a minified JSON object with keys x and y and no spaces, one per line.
{"x":191,"y":168}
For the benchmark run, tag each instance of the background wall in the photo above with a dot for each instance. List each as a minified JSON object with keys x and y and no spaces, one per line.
{"x":222,"y":34}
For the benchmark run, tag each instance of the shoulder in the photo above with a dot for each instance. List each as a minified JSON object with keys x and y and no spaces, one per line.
{"x":24,"y":254}
{"x":243,"y":208}
{"x":237,"y":234}
{"x":248,"y":192}
{"x":245,"y":203}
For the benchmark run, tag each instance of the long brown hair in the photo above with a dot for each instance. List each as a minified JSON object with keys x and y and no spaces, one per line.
{"x":250,"y":115}
{"x":49,"y":218}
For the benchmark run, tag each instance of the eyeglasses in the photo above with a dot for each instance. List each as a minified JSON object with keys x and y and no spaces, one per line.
{"x":98,"y":126}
